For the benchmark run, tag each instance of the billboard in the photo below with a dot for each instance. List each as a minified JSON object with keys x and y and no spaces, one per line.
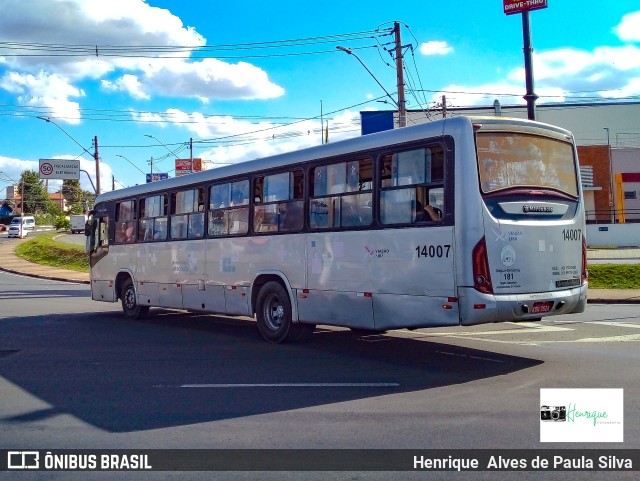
{"x":187,"y":166}
{"x":519,"y":6}
{"x":59,"y":169}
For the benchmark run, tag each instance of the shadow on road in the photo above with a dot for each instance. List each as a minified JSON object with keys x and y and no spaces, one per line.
{"x":124,"y":376}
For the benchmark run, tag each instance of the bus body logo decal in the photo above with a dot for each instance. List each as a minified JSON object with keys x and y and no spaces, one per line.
{"x":537,"y":209}
{"x":508,"y":255}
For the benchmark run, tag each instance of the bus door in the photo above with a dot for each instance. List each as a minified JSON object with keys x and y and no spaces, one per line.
{"x":97,"y":232}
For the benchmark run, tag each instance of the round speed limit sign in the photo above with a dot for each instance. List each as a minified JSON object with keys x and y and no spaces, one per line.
{"x":46,"y":169}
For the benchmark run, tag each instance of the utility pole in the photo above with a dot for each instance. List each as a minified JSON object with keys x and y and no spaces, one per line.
{"x":402,"y":104}
{"x":97,"y":159}
{"x":444,"y":106}
{"x":191,"y":154}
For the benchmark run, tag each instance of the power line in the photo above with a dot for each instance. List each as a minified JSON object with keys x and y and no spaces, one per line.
{"x":23,"y":49}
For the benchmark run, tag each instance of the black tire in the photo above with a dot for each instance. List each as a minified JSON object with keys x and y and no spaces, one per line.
{"x":130,"y":307}
{"x":274,"y":316}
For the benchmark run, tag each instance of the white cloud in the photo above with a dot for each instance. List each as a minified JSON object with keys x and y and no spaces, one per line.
{"x":436,"y":48}
{"x":239,"y":140}
{"x":210,"y":78}
{"x":629,"y":28}
{"x":130,"y":23}
{"x":127,"y":83}
{"x":51,"y":91}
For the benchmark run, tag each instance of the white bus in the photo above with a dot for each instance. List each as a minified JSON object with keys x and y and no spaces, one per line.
{"x":459,"y":221}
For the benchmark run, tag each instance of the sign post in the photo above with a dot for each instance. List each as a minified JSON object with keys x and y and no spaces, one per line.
{"x":524,"y":6}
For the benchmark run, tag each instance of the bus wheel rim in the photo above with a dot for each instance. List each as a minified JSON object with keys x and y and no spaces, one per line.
{"x":130,"y":299}
{"x":274,"y":313}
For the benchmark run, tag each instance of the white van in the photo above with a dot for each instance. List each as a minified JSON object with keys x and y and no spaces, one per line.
{"x":20,"y":226}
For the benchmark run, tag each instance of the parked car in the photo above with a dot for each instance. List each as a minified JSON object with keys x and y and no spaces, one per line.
{"x":20,"y":226}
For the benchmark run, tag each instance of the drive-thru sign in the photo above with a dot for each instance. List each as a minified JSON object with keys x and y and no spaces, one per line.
{"x":519,"y":6}
{"x":59,"y":169}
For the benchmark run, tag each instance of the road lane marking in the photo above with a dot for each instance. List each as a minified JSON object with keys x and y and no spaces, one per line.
{"x":627,"y":338}
{"x":617,"y":324}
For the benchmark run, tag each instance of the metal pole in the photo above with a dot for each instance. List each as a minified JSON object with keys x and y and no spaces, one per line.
{"x":530,"y":96}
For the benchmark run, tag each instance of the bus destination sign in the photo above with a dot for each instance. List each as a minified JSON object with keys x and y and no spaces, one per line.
{"x":520,"y":6}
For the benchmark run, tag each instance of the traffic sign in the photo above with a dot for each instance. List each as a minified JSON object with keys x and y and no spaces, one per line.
{"x":59,"y":169}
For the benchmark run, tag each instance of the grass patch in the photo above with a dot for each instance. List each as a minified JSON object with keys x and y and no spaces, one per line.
{"x":614,"y":276}
{"x":42,"y":249}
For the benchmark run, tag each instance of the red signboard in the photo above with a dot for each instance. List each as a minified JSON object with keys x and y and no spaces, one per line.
{"x":186,"y":166}
{"x":519,"y":6}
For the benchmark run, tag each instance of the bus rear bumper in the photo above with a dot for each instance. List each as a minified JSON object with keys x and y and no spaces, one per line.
{"x":478,"y":308}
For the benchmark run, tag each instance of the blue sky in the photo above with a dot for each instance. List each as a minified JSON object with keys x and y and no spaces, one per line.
{"x":253,"y":77}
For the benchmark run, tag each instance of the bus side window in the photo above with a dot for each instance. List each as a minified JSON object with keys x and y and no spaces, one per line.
{"x":341,"y":194}
{"x":126,"y":224}
{"x":412,"y":188}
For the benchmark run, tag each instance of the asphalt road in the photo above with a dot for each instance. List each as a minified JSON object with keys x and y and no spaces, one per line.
{"x":74,"y":374}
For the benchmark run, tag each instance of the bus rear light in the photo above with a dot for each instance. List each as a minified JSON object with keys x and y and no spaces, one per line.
{"x":481,"y":272}
{"x":479,"y":306}
{"x":447,"y":306}
{"x":452,"y":299}
{"x":585,"y":273}
{"x":364,"y":294}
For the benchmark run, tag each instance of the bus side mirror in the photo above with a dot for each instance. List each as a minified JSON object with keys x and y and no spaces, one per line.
{"x":88,"y":228}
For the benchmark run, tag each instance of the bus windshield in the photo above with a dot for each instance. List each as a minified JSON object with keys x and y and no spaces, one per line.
{"x":508,"y":159}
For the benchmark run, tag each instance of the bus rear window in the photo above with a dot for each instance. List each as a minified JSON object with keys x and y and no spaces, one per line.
{"x":507,"y":160}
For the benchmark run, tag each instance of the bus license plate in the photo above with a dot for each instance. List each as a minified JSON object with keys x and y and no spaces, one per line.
{"x":539,"y":307}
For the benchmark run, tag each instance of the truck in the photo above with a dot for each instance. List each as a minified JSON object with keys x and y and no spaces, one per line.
{"x":77,"y":223}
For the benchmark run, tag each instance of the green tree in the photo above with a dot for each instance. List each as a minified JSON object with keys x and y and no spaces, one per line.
{"x":35,"y":199}
{"x":77,"y":199}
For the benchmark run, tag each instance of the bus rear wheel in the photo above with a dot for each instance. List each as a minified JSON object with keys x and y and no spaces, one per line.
{"x":130,"y":307}
{"x":274,"y":316}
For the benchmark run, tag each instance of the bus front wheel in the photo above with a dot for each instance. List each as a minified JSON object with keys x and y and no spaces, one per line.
{"x":130,"y":306}
{"x":274,"y":316}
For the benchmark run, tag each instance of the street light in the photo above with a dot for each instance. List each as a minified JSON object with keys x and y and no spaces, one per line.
{"x":139,"y":169}
{"x":94,"y":155}
{"x":350,"y":52}
{"x":164,"y":145}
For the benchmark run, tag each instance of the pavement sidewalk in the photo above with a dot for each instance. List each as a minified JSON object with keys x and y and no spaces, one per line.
{"x":10,"y":262}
